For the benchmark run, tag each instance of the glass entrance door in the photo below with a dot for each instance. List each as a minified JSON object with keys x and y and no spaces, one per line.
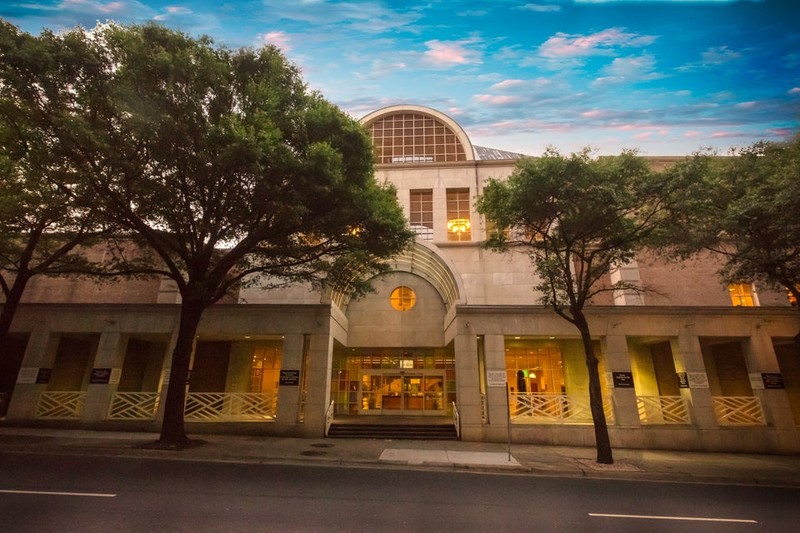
{"x":395,"y":393}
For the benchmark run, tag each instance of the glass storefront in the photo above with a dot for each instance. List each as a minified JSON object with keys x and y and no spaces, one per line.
{"x":393,"y":381}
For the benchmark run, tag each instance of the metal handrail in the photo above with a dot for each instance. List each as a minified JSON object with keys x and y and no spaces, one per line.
{"x":329,"y":417}
{"x":456,"y":420}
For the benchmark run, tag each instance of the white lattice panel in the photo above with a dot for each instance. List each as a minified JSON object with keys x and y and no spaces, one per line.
{"x":738,"y":411}
{"x":60,"y":405}
{"x":662,"y":410}
{"x":230,"y":406}
{"x":133,"y":406}
{"x":553,"y":408}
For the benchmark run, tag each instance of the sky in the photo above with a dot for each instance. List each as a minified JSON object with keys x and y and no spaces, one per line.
{"x":665,"y":77}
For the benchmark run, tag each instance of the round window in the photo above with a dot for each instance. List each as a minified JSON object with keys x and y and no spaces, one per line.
{"x":403,"y":298}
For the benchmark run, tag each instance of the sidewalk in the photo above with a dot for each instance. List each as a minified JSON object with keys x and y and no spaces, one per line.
{"x":524,"y":459}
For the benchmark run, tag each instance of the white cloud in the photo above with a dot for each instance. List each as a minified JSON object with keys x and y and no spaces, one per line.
{"x":540,"y":8}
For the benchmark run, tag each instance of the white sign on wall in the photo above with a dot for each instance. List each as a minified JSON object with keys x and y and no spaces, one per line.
{"x":496,"y":378}
{"x":697,"y":380}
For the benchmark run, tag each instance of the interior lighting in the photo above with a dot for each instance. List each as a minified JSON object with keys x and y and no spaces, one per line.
{"x":458,"y":225}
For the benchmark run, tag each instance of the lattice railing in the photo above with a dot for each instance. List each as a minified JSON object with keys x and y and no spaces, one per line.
{"x":537,"y":408}
{"x":133,"y":406}
{"x":738,"y":411}
{"x":663,"y":410}
{"x":61,"y":405}
{"x":230,"y":406}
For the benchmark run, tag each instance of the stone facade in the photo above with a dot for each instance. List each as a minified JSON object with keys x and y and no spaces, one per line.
{"x":684,"y":368}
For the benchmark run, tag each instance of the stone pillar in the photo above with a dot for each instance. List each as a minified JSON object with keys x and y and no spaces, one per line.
{"x":106,"y":369}
{"x":468,"y":393}
{"x":760,"y":357}
{"x":318,"y":383}
{"x":688,"y":358}
{"x":615,"y":354}
{"x":40,"y":353}
{"x":289,"y":395}
{"x":496,"y":397}
{"x":628,"y":273}
{"x":166,"y":368}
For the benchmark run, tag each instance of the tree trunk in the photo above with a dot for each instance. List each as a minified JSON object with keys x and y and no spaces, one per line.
{"x":173,"y":433}
{"x":602,"y":441}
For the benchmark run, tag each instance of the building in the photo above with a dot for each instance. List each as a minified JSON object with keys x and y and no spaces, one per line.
{"x":451,"y":331}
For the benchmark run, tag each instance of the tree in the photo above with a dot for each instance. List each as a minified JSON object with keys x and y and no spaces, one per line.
{"x":577,"y":218}
{"x":228,"y":169}
{"x":42,"y":220}
{"x":745,"y":208}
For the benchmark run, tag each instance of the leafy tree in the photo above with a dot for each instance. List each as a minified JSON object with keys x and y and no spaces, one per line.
{"x":744,"y":207}
{"x":42,"y":220}
{"x":228,"y":169}
{"x":578,"y":218}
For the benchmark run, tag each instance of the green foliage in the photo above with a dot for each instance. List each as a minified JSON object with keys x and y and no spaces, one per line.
{"x":43,"y":217}
{"x":578,"y":218}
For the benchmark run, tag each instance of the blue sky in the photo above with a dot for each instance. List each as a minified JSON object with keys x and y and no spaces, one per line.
{"x":665,"y":77}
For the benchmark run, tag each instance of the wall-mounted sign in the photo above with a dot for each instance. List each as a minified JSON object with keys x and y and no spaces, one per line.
{"x":772,"y":380}
{"x":697,"y":380}
{"x":683,"y":380}
{"x":27,"y":374}
{"x":495,"y":378}
{"x":100,"y":376}
{"x":622,"y":380}
{"x":289,"y":377}
{"x":756,"y":383}
{"x":43,"y":376}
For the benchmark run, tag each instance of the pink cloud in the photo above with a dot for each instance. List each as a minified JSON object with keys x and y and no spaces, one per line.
{"x":566,"y":45}
{"x":277,"y":38}
{"x":451,"y":53}
{"x":491,"y":99}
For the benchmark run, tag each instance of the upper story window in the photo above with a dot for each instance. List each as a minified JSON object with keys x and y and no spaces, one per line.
{"x":459,"y":226}
{"x":421,"y":213}
{"x":742,"y":294}
{"x":414,"y":138}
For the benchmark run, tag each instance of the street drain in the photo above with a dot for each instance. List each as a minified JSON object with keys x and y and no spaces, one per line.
{"x":321,"y":445}
{"x":313,"y":453}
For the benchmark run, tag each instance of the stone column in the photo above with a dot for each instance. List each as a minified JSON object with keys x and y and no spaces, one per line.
{"x":318,"y":383}
{"x":760,"y":357}
{"x":166,"y":367}
{"x":688,"y":358}
{"x":289,"y":395}
{"x":40,"y":353}
{"x":468,"y":393}
{"x":496,"y":397}
{"x":106,"y":369}
{"x":615,"y":354}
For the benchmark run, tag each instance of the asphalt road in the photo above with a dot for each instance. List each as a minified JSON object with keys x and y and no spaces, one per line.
{"x":43,"y":493}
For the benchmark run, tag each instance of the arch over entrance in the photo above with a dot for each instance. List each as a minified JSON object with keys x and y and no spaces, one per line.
{"x":422,"y":260}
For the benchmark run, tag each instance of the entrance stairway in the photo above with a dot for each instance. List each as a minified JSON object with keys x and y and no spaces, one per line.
{"x":393,"y":430}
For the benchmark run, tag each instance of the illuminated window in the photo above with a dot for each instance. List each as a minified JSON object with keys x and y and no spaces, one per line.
{"x":403,"y":298}
{"x":741,"y":294}
{"x":421,"y":213}
{"x":792,"y":299}
{"x":414,"y":138}
{"x":459,"y":227}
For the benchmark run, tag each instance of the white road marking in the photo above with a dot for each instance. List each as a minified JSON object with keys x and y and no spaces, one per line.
{"x":685,"y":518}
{"x":52,"y":493}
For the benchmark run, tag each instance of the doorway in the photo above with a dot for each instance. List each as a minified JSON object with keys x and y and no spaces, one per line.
{"x":412,"y":393}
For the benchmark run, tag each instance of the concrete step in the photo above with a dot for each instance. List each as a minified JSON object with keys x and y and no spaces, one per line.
{"x":394,"y":431}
